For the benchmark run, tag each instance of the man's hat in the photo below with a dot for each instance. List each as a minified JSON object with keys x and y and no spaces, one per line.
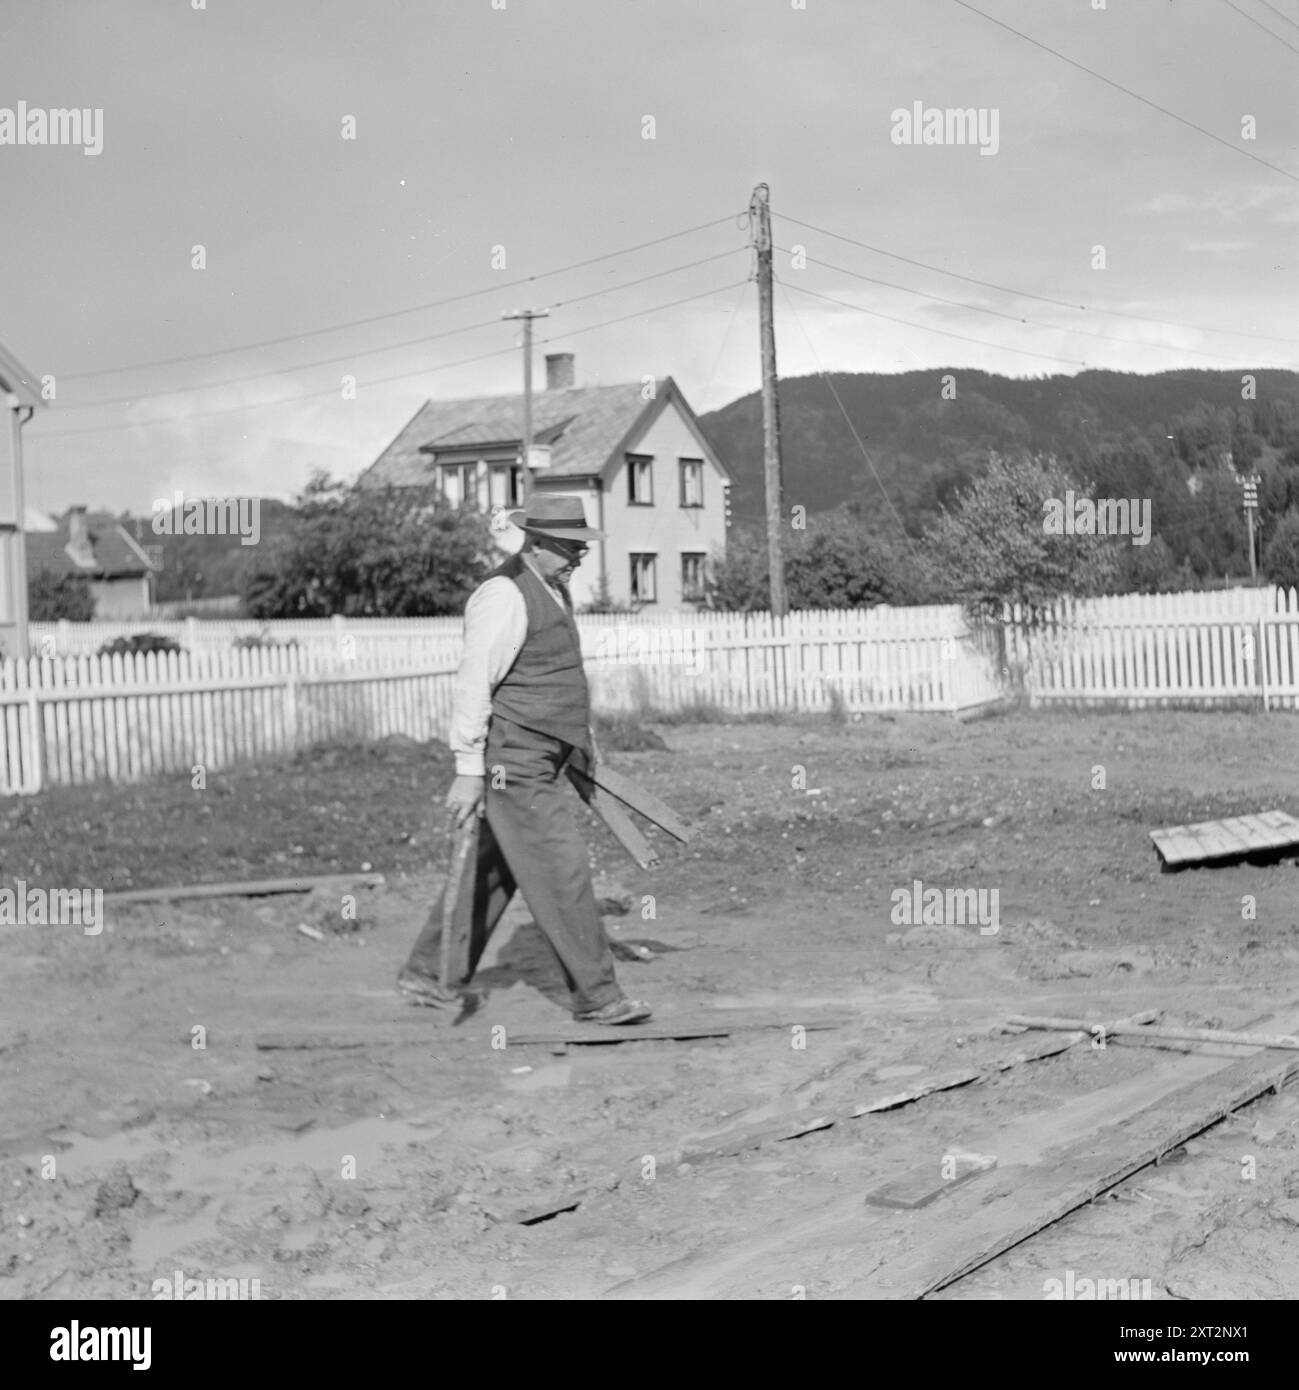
{"x":559,"y":517}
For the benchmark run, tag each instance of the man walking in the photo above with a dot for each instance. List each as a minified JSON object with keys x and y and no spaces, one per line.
{"x":521,"y":711}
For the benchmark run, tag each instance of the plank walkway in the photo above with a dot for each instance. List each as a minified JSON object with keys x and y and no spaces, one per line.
{"x":1211,"y":841}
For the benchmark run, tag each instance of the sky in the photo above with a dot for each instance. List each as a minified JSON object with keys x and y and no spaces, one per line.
{"x":500,"y":140}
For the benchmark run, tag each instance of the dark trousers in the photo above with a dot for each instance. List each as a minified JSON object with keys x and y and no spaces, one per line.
{"x":529,"y":840}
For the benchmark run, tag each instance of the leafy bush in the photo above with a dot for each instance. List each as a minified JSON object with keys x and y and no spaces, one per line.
{"x":54,"y":598}
{"x":1281,"y":554}
{"x":140,"y":642}
{"x":370,"y":553}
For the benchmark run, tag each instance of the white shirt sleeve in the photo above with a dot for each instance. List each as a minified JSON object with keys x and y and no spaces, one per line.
{"x":496,"y":626}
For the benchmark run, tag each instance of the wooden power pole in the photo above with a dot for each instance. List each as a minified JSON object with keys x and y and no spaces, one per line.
{"x":760,"y":214}
{"x":527,"y":315}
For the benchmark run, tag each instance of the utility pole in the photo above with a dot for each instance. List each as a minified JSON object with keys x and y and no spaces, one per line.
{"x":527,"y":315}
{"x":760,"y":220}
{"x":1250,"y":484}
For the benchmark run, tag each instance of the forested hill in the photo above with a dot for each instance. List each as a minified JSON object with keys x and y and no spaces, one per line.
{"x":924,"y":446}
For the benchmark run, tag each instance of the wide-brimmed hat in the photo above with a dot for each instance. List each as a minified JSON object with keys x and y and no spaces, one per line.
{"x":561,"y":518}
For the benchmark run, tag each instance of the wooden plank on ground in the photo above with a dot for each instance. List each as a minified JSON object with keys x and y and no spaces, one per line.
{"x":927,"y":1181}
{"x":1025,"y":1198}
{"x":1175,"y":847}
{"x":719,"y":1024}
{"x":1208,"y":1035}
{"x":752,"y":1133}
{"x":1216,"y":841}
{"x":830,"y":1243}
{"x":255,"y":888}
{"x":1248,"y":830}
{"x":1267,"y":832}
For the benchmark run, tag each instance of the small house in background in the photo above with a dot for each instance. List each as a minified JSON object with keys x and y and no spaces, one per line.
{"x":634,"y":455}
{"x":19,"y":398}
{"x":97,"y":546}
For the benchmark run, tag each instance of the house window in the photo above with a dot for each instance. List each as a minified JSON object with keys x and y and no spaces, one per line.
{"x":692,"y":576}
{"x":644,"y":586}
{"x":506,"y":483}
{"x":640,"y":481}
{"x":460,"y":484}
{"x":692,"y":482}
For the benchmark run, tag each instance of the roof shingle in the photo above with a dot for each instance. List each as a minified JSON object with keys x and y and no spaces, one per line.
{"x":583,"y":425}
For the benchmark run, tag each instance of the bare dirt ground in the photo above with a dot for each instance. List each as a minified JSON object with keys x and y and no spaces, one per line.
{"x":128,"y":1154}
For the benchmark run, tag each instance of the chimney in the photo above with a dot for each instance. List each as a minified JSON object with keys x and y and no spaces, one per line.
{"x":559,"y":371}
{"x":79,"y":548}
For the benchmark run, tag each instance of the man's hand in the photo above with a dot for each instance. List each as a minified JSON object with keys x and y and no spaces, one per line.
{"x":467,"y":797}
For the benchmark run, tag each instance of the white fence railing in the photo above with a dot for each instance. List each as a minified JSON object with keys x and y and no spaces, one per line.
{"x":72,"y":719}
{"x":68,"y":716}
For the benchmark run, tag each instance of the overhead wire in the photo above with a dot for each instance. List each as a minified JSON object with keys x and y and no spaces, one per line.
{"x":1127,"y":91}
{"x":398,"y":313}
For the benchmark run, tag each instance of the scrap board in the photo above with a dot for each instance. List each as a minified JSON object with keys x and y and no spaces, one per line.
{"x":1270,"y":832}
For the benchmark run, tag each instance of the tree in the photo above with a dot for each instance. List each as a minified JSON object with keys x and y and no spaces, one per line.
{"x":993,"y":546}
{"x":838,"y":561}
{"x":53,"y":598}
{"x":371,"y":553}
{"x":1281,"y":554}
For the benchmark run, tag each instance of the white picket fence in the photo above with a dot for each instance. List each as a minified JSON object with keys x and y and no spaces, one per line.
{"x":73,"y":719}
{"x":126,"y":718}
{"x":1139,"y":650}
{"x":69,"y":716}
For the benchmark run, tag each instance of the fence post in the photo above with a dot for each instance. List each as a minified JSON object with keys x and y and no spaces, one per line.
{"x":1262,"y":657}
{"x":37,"y":742}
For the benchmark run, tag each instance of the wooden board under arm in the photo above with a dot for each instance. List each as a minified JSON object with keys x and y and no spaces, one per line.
{"x":611,"y":812}
{"x":649,"y":805}
{"x":454,"y":964}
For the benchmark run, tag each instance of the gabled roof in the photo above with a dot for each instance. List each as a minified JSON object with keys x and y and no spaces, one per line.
{"x":15,"y":378}
{"x":585,"y":426}
{"x":116,"y":555}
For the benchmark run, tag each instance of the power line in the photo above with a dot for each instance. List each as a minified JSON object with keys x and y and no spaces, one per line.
{"x":870,"y":463}
{"x":1127,"y":91}
{"x":726,"y":337}
{"x":1279,"y":13}
{"x":1013,"y":318}
{"x":376,"y":381}
{"x":388,"y":347}
{"x":946,"y":333}
{"x":398,"y":313}
{"x":1258,"y":23}
{"x":1029,"y":294}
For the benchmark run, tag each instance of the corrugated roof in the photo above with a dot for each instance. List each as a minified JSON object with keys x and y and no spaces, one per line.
{"x":115,"y":554}
{"x":587,"y":424}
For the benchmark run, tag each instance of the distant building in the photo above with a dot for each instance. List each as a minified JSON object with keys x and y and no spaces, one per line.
{"x":97,"y":546}
{"x":640,"y":464}
{"x":18,"y":401}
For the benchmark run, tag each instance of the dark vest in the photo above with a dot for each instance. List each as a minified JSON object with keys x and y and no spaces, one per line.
{"x":546,"y":687}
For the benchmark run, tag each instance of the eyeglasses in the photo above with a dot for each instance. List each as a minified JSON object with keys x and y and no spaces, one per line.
{"x":571,"y":549}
